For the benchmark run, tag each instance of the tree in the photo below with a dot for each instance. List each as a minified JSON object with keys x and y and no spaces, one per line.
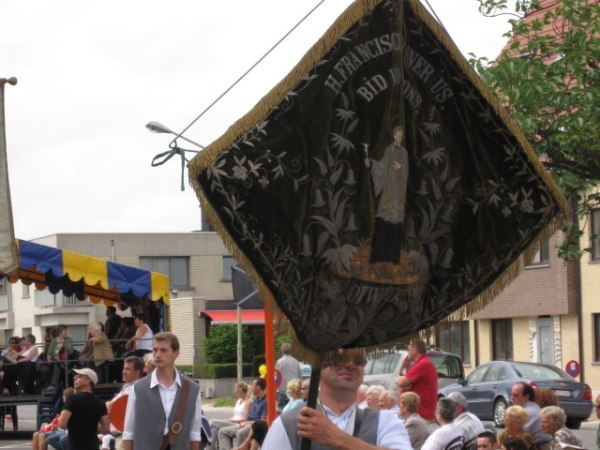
{"x":548,"y":78}
{"x":220,"y":347}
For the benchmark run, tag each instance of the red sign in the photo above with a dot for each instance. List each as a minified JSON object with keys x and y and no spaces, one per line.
{"x":573,"y":368}
{"x":278,"y":378}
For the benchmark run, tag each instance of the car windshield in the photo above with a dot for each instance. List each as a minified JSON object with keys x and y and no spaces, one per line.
{"x":544,"y":372}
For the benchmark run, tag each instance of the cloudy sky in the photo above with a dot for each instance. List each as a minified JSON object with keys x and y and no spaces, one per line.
{"x":93,"y":73}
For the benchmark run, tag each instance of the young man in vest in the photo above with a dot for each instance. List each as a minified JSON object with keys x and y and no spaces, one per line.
{"x":164,"y":409}
{"x":337,"y":423}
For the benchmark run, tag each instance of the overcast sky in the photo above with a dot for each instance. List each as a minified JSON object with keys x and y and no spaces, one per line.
{"x":93,"y":73}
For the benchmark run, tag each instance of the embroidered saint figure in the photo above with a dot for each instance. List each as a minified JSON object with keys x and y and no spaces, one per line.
{"x":390,"y":177}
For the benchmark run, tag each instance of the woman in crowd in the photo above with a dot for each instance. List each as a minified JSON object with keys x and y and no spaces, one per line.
{"x":149,"y":364}
{"x":126,"y":331}
{"x":295,"y":394}
{"x":515,"y":419}
{"x":546,"y":397}
{"x":553,"y":419}
{"x":240,"y":411}
{"x":59,"y":350}
{"x":8,"y":367}
{"x":141,"y":343}
{"x":26,"y":363}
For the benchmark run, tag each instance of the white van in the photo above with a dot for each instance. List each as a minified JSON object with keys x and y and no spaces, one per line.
{"x":384,"y":367}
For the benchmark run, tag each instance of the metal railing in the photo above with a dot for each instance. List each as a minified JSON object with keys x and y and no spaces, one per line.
{"x":46,"y":299}
{"x":5,"y":302}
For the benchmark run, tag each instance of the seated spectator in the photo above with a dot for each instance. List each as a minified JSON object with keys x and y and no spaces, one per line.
{"x":448,"y":436}
{"x":515,"y":419}
{"x":126,"y":331}
{"x":141,"y":343}
{"x":469,"y":425}
{"x":9,"y":367}
{"x":149,"y":363}
{"x":240,"y":412}
{"x":513,"y":444}
{"x":389,"y":400}
{"x":415,"y":425}
{"x":61,"y":347}
{"x":361,"y":396}
{"x":373,"y":394}
{"x":258,"y":411}
{"x":256,"y":437}
{"x":294,"y":393}
{"x":305,"y":388}
{"x":113,"y":323}
{"x":546,"y":397}
{"x":487,"y":441}
{"x":132,"y":372}
{"x":40,"y":438}
{"x":26,"y":363}
{"x":553,"y":419}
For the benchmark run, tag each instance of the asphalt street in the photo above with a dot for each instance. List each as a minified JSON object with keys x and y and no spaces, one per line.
{"x":27,"y":422}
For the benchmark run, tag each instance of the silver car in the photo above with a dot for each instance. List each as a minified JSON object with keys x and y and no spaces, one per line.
{"x":489,"y":386}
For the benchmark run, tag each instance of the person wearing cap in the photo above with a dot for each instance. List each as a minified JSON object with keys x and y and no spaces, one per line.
{"x":469,"y":427}
{"x":462,"y":407}
{"x":82,"y":413}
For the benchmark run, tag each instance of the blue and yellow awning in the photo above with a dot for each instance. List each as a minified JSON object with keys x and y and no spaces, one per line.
{"x":87,"y":277}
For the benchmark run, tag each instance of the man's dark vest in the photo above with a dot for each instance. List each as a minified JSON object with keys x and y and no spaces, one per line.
{"x":367,"y":432}
{"x":150,"y":416}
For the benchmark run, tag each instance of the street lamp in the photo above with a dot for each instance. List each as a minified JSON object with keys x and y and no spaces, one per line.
{"x":156,"y":127}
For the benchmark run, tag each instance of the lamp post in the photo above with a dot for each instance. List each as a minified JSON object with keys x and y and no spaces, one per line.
{"x":156,"y":127}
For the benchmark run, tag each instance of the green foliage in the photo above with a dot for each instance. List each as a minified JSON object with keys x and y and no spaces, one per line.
{"x":217,"y":370}
{"x":550,"y":84}
{"x":220,"y":346}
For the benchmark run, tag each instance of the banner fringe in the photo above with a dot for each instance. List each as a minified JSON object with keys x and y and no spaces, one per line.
{"x":352,"y":14}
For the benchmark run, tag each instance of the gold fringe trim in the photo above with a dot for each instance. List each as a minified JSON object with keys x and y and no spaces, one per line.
{"x":352,"y":14}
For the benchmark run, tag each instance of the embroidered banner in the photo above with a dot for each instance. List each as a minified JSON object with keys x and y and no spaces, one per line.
{"x":379,"y":187}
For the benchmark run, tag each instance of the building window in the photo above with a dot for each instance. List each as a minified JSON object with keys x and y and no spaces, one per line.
{"x":456,"y":339}
{"x":228,"y":261}
{"x":25,"y":292}
{"x":595,"y":240}
{"x":542,"y":257}
{"x":596,"y":337}
{"x":502,"y":338}
{"x":177,"y":268}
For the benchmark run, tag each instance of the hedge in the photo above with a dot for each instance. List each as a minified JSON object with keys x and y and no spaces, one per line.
{"x":217,"y":370}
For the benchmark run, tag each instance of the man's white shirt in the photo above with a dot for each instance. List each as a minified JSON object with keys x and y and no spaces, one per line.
{"x":441,"y":437}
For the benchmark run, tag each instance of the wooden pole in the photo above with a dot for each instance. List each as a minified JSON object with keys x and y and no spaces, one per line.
{"x":270,"y":362}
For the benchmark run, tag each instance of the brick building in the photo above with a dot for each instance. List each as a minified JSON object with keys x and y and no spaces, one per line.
{"x":551,"y":312}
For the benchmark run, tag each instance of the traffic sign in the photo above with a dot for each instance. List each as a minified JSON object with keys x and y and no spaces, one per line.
{"x":573,"y":368}
{"x":278,"y":378}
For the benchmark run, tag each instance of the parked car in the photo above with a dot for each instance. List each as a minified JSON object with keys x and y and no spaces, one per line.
{"x":488,"y":389}
{"x":384,"y":367}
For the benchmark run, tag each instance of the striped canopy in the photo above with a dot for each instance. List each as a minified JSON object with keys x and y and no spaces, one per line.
{"x":87,"y":277}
